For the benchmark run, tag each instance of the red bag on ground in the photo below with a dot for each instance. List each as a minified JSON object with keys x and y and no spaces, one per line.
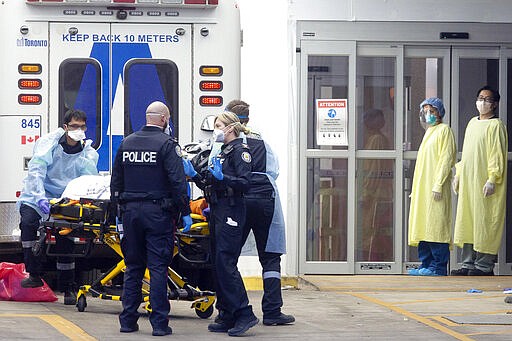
{"x":11,"y":276}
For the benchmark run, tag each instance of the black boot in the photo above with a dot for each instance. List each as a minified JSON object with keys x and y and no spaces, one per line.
{"x":70,"y":296}
{"x":67,"y":285}
{"x":242,"y":324}
{"x":32,"y":281}
{"x":278,"y":320}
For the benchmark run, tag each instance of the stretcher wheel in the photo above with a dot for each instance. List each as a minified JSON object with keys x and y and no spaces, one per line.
{"x":205,"y":314}
{"x":81,"y":303}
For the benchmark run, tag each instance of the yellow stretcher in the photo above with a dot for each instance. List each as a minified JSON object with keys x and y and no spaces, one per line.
{"x":78,"y":225}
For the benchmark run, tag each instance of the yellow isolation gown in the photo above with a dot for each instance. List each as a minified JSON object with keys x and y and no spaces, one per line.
{"x":431,"y":220}
{"x":480,"y":219}
{"x":377,"y":189}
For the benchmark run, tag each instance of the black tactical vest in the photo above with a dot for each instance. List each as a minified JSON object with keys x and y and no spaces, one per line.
{"x":144,"y":175}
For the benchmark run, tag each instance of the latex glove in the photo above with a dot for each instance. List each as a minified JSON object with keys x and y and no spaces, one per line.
{"x":488,"y":189}
{"x":217,"y":169}
{"x":437,"y":195}
{"x":187,"y":223}
{"x":188,"y":168}
{"x":455,"y":184}
{"x":44,"y":205}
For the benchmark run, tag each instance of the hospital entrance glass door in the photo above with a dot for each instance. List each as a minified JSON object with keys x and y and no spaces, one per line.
{"x":355,"y":198}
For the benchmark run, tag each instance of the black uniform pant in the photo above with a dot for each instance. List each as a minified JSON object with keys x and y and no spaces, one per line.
{"x":148,"y":242}
{"x":227,"y":219}
{"x":29,"y":224}
{"x":260,"y":211}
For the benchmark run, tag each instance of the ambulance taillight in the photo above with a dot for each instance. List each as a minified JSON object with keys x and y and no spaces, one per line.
{"x":210,"y":85}
{"x":25,"y":83}
{"x":210,"y":101}
{"x":29,"y":99}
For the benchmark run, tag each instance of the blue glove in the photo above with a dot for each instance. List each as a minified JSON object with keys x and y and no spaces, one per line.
{"x":217,"y":169}
{"x":188,"y":168}
{"x":187,"y":223}
{"x":44,"y":205}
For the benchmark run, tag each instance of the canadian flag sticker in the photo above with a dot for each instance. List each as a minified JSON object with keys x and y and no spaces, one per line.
{"x":28,"y":139}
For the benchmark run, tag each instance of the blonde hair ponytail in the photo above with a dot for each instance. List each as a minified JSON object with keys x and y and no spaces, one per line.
{"x":232,"y":120}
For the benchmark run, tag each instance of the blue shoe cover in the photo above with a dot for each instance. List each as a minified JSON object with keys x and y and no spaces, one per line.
{"x":414,"y":272}
{"x":427,"y":272}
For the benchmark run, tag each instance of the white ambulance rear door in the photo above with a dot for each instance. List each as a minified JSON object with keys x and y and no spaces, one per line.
{"x":113,"y":71}
{"x":79,"y":78}
{"x":157,"y":65}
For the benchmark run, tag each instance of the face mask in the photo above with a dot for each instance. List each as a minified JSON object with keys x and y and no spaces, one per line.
{"x":218,"y":135}
{"x":76,"y":135}
{"x":167,"y":129}
{"x":483,"y":107}
{"x":430,"y":119}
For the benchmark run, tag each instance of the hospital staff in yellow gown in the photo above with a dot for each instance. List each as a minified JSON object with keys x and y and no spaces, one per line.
{"x":430,"y":211}
{"x":480,"y":181}
{"x":376,"y":231}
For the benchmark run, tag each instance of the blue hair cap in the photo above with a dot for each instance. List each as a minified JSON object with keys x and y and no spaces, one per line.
{"x":436,"y":103}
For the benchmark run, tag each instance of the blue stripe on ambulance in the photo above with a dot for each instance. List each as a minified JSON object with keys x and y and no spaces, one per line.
{"x":140,"y":96}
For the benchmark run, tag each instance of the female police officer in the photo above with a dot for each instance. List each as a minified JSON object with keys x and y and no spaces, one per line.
{"x":224,"y":185}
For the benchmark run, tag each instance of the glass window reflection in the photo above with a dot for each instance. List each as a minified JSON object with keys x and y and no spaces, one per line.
{"x":327,"y":79}
{"x":376,"y":93}
{"x":327,"y":210}
{"x":422,"y":79}
{"x":375,"y":218}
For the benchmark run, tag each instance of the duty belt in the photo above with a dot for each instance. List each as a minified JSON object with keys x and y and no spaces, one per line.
{"x":264,"y":195}
{"x":228,"y":193}
{"x":213,"y":195}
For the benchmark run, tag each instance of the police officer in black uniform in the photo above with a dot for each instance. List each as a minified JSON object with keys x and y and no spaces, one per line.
{"x":149,"y":185}
{"x":224,"y":186}
{"x":264,"y":218}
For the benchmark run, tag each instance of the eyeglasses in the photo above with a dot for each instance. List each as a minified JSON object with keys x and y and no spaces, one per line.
{"x":82,"y":127}
{"x":485,"y":99}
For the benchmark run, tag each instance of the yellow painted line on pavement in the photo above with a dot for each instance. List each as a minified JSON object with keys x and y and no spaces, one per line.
{"x":494,"y":312}
{"x":446,"y":299}
{"x":361,"y":288}
{"x":253,"y":283}
{"x":413,"y":316}
{"x":444,"y":321}
{"x":501,"y":332}
{"x":65,"y":327}
{"x":375,"y":289}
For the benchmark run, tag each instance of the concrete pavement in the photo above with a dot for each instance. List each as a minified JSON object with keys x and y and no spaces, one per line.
{"x":326,"y":308}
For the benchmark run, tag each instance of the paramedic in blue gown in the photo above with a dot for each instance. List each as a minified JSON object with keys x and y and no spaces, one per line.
{"x":264,"y":217}
{"x":225,"y":184}
{"x":149,"y":187}
{"x":58,"y":158}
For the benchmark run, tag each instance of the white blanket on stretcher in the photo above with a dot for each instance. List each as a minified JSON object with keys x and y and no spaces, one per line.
{"x":88,"y":186}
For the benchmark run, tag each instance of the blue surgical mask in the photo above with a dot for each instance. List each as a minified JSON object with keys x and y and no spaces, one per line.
{"x":430,"y":118}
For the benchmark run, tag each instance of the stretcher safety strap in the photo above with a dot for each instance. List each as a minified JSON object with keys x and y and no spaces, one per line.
{"x":65,"y":266}
{"x":271,"y":274}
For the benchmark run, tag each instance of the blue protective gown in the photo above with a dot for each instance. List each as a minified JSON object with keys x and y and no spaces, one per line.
{"x":276,"y":241}
{"x":51,"y":169}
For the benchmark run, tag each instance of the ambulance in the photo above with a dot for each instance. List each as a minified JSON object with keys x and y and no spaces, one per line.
{"x":109,"y":58}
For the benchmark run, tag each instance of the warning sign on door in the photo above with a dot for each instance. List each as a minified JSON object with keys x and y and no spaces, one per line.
{"x":331,"y":122}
